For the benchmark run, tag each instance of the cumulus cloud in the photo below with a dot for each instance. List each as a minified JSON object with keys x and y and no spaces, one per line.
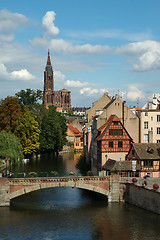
{"x":91,"y":91}
{"x":48,"y":23}
{"x":73,"y":83}
{"x":59,"y":76}
{"x":134,"y":93}
{"x":22,"y":74}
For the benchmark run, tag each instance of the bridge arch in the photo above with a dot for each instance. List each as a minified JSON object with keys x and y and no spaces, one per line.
{"x":24,"y":189}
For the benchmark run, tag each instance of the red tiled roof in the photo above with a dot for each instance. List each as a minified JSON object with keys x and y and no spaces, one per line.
{"x":107,"y":124}
{"x":74,"y":130}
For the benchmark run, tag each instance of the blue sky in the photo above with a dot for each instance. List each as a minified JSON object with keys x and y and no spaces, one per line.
{"x":95,"y":46}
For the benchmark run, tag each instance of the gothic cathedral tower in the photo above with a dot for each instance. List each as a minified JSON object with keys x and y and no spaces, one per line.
{"x":60,"y":99}
{"x":48,"y":83}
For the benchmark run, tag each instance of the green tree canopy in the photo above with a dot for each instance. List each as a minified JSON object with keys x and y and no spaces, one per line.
{"x":53,"y":130}
{"x":27,"y":130}
{"x":31,"y":98}
{"x":10,"y":147}
{"x":10,"y":112}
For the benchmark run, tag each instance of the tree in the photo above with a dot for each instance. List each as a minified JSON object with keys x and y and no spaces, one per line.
{"x":30,"y":98}
{"x":10,"y":147}
{"x":27,"y":130}
{"x":10,"y":112}
{"x":53,"y":130}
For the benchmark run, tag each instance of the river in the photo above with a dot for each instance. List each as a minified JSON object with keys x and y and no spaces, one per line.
{"x":70,"y":213}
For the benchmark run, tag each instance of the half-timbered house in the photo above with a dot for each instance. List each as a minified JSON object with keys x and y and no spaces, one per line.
{"x":113,"y":142}
{"x":148,"y":156}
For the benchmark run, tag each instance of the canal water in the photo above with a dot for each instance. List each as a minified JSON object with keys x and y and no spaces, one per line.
{"x":70,"y":213}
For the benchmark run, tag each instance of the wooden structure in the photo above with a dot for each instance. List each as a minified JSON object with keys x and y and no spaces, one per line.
{"x":113,"y":141}
{"x":148,"y":156}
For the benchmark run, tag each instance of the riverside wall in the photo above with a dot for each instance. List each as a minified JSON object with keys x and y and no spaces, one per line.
{"x":142,"y":197}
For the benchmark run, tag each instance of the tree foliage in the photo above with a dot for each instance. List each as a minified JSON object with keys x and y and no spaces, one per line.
{"x":30,"y":98}
{"x":10,"y":147}
{"x":10,"y":112}
{"x":27,"y":130}
{"x":53,"y":130}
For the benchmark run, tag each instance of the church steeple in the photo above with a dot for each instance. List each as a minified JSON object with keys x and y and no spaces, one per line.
{"x":48,"y":83}
{"x":48,"y":59}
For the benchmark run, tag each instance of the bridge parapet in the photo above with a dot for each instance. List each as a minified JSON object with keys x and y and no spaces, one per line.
{"x":108,"y":186}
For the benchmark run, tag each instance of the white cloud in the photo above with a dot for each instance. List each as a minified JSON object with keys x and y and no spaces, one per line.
{"x":77,"y":84}
{"x":59,"y":76}
{"x":91,"y":91}
{"x":48,"y":23}
{"x":22,"y":74}
{"x":133,"y":93}
{"x":9,"y":22}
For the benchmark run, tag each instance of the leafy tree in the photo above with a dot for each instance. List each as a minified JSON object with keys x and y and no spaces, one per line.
{"x":31,"y":98}
{"x":10,"y":147}
{"x":53,"y":130}
{"x":27,"y":130}
{"x":83,"y":165}
{"x":10,"y":112}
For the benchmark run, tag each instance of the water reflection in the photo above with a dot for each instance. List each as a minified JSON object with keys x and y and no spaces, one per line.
{"x":70,"y":213}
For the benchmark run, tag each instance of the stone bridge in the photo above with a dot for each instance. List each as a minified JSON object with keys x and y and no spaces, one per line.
{"x":14,"y":187}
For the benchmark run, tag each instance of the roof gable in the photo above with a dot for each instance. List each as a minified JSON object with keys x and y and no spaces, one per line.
{"x":103,"y":129}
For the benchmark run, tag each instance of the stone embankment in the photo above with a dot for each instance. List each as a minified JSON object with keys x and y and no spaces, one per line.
{"x":143,"y":196}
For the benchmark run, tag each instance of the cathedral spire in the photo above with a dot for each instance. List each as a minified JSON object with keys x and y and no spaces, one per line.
{"x":48,"y":59}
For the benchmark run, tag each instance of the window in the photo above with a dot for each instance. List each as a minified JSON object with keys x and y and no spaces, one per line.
{"x":116,"y":132}
{"x":158,"y":130}
{"x":148,"y":163}
{"x":146,"y":113}
{"x":158,"y":118}
{"x":146,"y":138}
{"x":151,"y":118}
{"x":120,"y":144}
{"x":133,"y":152}
{"x":115,"y":122}
{"x":110,"y":144}
{"x":158,"y":141}
{"x":145,"y":125}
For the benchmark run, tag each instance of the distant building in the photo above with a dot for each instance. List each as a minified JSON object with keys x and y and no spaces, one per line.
{"x":75,"y":136}
{"x":80,"y":111}
{"x":59,"y":99}
{"x":149,"y":117}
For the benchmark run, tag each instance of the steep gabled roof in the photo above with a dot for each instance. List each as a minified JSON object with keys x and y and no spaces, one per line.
{"x":105,"y":126}
{"x":147,"y":151}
